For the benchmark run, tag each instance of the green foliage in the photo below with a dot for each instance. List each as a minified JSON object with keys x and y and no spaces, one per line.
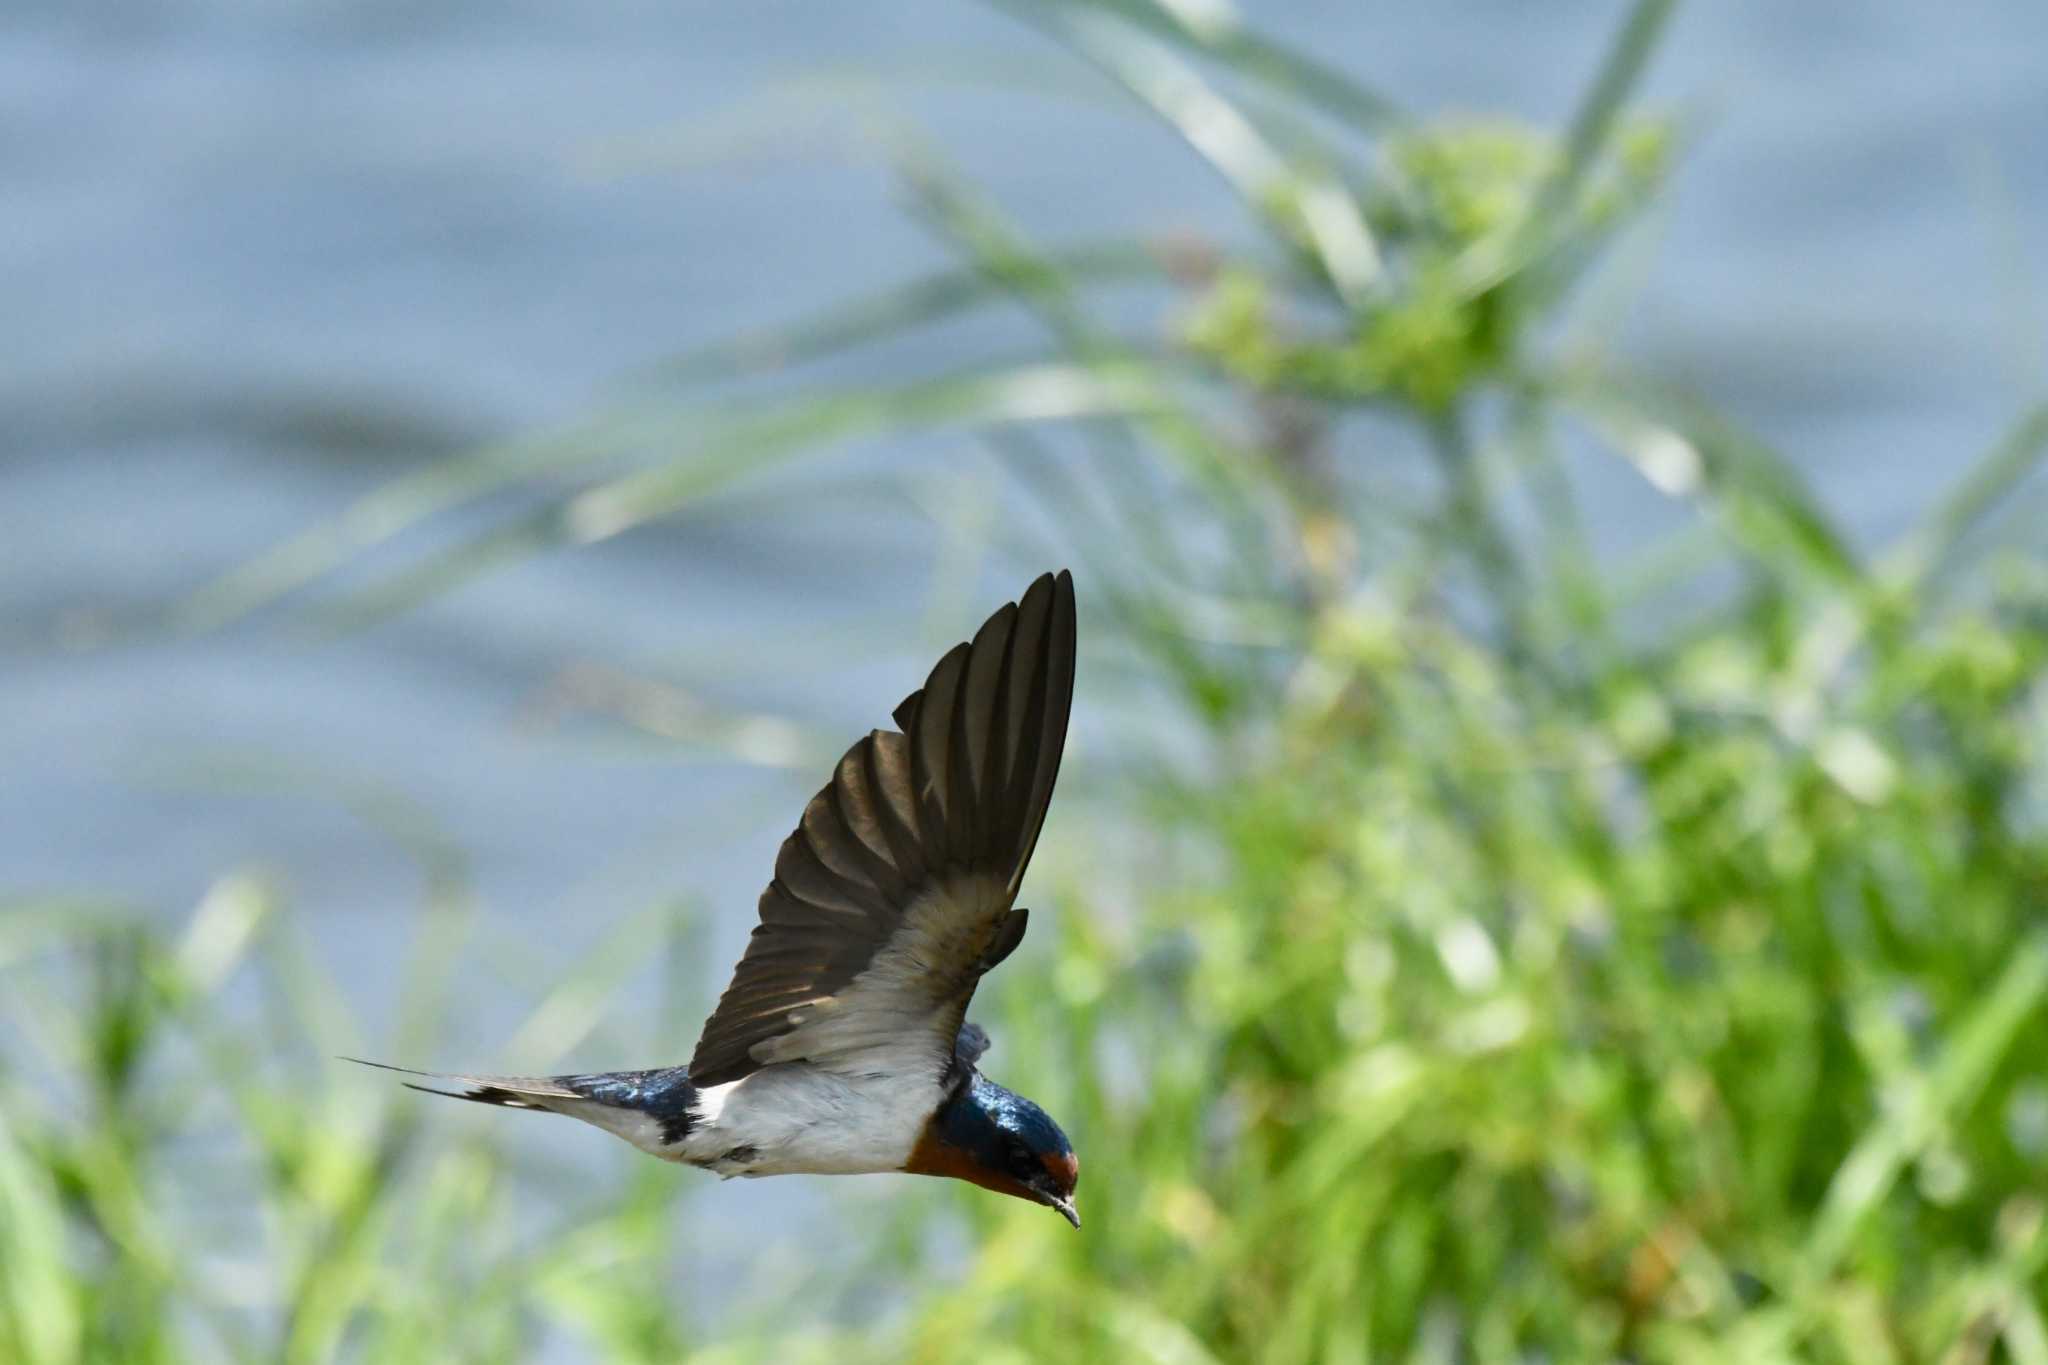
{"x":184,"y":1178}
{"x":1496,"y":955}
{"x":1427,"y":335}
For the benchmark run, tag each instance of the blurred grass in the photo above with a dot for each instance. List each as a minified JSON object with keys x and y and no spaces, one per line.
{"x":1483,"y":950}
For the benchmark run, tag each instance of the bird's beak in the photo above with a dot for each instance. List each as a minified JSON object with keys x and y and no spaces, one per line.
{"x":1066,"y":1208}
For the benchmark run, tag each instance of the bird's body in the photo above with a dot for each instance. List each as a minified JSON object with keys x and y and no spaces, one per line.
{"x":793,"y":1119}
{"x":841,"y":1046}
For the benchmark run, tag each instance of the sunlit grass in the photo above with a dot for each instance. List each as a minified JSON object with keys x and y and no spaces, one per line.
{"x":1475,"y":949}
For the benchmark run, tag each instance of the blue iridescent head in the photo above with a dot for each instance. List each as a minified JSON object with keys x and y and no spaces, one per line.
{"x":1001,"y":1141}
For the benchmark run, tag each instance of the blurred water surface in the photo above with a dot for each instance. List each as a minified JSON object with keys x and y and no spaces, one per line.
{"x":256,"y":260}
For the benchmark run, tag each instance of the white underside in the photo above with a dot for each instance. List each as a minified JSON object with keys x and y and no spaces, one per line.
{"x":848,"y":1090}
{"x":785,"y":1120}
{"x":800,"y":1118}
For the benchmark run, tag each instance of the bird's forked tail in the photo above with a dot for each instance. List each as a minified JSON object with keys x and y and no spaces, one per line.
{"x":654,"y":1110}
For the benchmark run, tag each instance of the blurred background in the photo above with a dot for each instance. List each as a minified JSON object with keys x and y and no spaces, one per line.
{"x":1548,"y":865}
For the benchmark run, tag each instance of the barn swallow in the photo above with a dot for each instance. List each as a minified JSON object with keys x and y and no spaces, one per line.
{"x":842,"y":1044}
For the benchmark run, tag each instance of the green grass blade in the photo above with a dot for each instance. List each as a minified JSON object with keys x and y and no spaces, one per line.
{"x":1222,"y":135}
{"x":937,"y":297}
{"x":726,"y":451}
{"x":1494,"y":259}
{"x":1977,"y":1047}
{"x":1290,"y":73}
{"x":40,"y":1322}
{"x":1686,"y":449}
{"x":1931,"y":548}
{"x":406,"y":502}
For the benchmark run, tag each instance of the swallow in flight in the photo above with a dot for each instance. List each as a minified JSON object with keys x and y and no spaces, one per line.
{"x":842,"y":1045}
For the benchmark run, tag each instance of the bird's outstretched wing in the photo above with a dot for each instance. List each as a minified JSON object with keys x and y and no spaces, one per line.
{"x":894,"y":894}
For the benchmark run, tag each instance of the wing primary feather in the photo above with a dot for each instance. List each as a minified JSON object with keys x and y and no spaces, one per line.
{"x":888,"y":771}
{"x":930,"y":754}
{"x":1056,"y":678}
{"x":1002,"y":750}
{"x":810,"y":879}
{"x":1026,"y":693}
{"x":1031,"y":733}
{"x":960,"y":790}
{"x":905,"y":714}
{"x":848,"y":861}
{"x":980,"y":700}
{"x":855,"y":805}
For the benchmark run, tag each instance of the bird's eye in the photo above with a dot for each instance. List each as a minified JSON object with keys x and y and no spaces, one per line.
{"x":1021,"y":1158}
